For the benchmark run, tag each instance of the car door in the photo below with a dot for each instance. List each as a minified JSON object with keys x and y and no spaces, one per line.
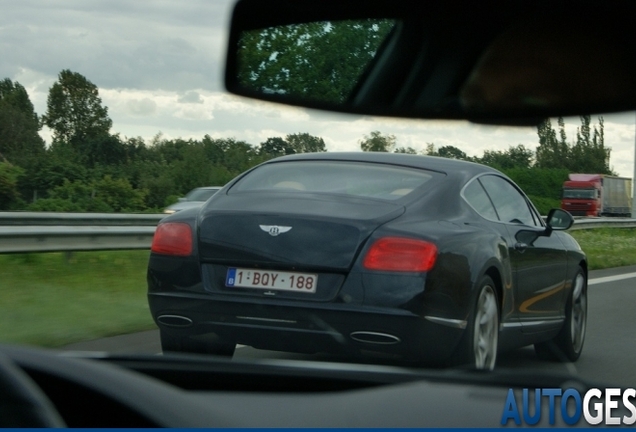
{"x":539,"y":262}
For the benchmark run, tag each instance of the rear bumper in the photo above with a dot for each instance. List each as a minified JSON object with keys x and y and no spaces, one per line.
{"x":302,"y":327}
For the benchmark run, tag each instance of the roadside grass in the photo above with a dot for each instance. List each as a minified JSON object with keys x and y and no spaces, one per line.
{"x":53,"y":299}
{"x":607,"y":247}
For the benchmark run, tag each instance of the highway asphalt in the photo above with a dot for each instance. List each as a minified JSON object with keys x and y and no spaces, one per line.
{"x":608,"y":355}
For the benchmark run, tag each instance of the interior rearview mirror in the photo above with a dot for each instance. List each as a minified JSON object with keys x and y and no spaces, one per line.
{"x":490,"y":61}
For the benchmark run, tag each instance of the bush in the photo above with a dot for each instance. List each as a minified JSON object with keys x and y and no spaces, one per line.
{"x":55,"y":205}
{"x":544,"y":205}
{"x":103,"y":196}
{"x":120,"y":195}
{"x":172,"y":199}
{"x":539,"y":182}
{"x":9,"y":194}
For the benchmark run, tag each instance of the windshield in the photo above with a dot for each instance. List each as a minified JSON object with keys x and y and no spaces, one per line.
{"x":156,"y":122}
{"x":579,"y":193}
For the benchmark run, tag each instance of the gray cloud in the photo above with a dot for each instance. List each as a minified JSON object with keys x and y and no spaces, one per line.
{"x":117,"y":44}
{"x":141,"y":107}
{"x":190,"y":97}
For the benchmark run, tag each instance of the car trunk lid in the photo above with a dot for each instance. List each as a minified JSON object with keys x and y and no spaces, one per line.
{"x":290,"y":230}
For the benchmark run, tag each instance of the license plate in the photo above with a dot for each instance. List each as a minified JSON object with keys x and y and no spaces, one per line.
{"x":266,"y":279}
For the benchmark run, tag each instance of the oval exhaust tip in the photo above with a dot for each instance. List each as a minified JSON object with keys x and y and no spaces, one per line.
{"x":374,"y":338}
{"x":174,"y":320}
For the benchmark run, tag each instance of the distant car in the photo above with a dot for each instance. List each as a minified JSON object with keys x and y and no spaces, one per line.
{"x":194,"y":198}
{"x":420,"y":258}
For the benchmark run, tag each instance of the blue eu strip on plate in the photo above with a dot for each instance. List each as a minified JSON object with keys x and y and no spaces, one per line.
{"x":231,"y":277}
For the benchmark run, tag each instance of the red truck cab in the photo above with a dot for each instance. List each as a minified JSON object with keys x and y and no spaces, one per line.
{"x":582,"y":194}
{"x":597,"y":195}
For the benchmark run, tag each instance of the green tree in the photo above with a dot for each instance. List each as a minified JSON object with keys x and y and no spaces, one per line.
{"x":305,"y":143}
{"x":214,"y":149}
{"x":551,"y":152}
{"x":48,"y":172}
{"x":539,"y":182}
{"x":405,"y":150}
{"x":319,"y":60}
{"x":196,"y":170}
{"x":119,"y":195}
{"x":452,"y":152}
{"x":71,"y":196}
{"x":515,"y":157}
{"x":104,"y":195}
{"x":20,"y":142}
{"x":9,"y":194}
{"x":563,"y":140}
{"x":376,"y":142}
{"x":588,"y":154}
{"x":105,"y":150}
{"x":156,"y":178}
{"x":75,"y":112}
{"x":275,"y":146}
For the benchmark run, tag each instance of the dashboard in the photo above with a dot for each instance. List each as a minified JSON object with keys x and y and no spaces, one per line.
{"x":95,"y":390}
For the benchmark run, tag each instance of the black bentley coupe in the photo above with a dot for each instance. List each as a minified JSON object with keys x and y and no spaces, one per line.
{"x":420,"y":258}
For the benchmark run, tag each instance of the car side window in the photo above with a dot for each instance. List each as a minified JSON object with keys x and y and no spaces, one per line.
{"x":476,"y":196}
{"x":537,"y":218}
{"x":510,"y":204}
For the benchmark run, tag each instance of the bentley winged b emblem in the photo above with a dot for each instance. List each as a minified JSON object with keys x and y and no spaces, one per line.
{"x":274,"y":230}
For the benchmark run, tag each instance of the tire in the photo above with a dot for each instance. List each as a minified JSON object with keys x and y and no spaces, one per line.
{"x":184,"y":344}
{"x":568,"y":344}
{"x":478,"y":347}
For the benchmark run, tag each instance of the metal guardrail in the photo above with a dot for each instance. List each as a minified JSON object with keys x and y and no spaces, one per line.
{"x":75,"y":219}
{"x":15,"y":239}
{"x":55,"y":232}
{"x":589,"y":223}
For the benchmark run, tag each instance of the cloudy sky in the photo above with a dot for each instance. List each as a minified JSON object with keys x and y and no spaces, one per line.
{"x":158,"y":65}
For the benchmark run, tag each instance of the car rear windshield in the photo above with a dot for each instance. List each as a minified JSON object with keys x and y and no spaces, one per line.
{"x":369,"y":180}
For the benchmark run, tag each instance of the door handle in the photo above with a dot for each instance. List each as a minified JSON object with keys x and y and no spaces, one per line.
{"x":520,"y":247}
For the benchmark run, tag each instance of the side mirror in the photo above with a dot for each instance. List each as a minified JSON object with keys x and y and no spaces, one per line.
{"x":559,"y":219}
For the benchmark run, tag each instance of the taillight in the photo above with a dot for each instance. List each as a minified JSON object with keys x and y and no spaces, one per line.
{"x":172,"y":238}
{"x":401,"y":254}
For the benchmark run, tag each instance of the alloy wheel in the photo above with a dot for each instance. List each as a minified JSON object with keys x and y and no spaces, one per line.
{"x":579,"y":313}
{"x":486,"y":331}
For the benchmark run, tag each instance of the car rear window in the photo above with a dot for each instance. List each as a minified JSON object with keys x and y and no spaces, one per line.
{"x":370,"y":180}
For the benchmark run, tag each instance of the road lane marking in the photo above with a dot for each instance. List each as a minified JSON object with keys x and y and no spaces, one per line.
{"x":605,"y":279}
